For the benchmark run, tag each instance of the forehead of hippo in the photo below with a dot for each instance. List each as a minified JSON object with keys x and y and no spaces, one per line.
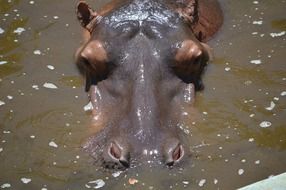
{"x":142,"y":11}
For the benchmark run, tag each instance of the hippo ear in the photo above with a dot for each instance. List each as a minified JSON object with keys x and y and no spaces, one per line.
{"x":87,"y":17}
{"x":189,"y":11}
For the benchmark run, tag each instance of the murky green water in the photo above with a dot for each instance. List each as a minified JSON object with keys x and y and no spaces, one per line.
{"x":42,"y":128}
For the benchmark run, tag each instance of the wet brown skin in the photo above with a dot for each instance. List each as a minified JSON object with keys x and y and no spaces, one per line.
{"x":142,"y":61}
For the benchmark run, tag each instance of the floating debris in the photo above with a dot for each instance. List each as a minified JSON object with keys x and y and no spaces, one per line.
{"x":36,"y":87}
{"x":1,"y":150}
{"x":283,"y":93}
{"x":1,"y":31}
{"x":50,"y":85}
{"x":257,"y":22}
{"x":252,"y":115}
{"x":251,"y":140}
{"x":5,"y":185}
{"x":53,"y":144}
{"x":265,"y":124}
{"x":50,"y":67}
{"x":257,"y":162}
{"x":256,"y":62}
{"x":255,"y":2}
{"x":26,"y":180}
{"x":185,"y":113}
{"x":19,"y":30}
{"x":276,"y":98}
{"x":271,"y":107}
{"x":186,"y":182}
{"x":56,"y":17}
{"x":2,"y":103}
{"x":10,"y":97}
{"x":227,"y":69}
{"x":240,"y":171}
{"x":37,"y":52}
{"x":3,"y":62}
{"x":215,"y":181}
{"x":202,"y":182}
{"x":88,"y":107}
{"x":132,"y":181}
{"x":116,"y":174}
{"x":248,"y":82}
{"x":98,"y":184}
{"x":205,"y":113}
{"x":32,"y":2}
{"x":279,"y":34}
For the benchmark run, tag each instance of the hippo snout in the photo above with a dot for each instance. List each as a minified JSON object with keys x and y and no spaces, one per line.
{"x":119,"y":155}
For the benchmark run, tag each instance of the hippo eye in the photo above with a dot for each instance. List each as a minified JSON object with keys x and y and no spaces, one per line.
{"x":92,"y":62}
{"x":198,"y":58}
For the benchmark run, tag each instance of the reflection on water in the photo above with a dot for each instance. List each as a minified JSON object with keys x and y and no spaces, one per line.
{"x":238,"y":137}
{"x":72,"y":81}
{"x":279,"y":24}
{"x":9,"y":43}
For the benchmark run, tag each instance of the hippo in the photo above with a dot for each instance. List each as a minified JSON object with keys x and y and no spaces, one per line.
{"x":142,"y":61}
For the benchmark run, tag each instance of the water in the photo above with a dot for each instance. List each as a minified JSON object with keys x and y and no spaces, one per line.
{"x":42,"y":129}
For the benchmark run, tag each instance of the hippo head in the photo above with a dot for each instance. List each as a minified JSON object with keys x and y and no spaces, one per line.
{"x":142,"y":63}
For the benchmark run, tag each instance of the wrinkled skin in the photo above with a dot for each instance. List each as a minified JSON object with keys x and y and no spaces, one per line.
{"x":143,"y":60}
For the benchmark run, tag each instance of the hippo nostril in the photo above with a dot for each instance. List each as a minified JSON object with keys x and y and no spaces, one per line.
{"x":115,"y":151}
{"x":174,"y":153}
{"x":118,"y":154}
{"x":178,"y":153}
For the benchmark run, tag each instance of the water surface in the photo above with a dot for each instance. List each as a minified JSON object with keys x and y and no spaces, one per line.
{"x":238,"y":138}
